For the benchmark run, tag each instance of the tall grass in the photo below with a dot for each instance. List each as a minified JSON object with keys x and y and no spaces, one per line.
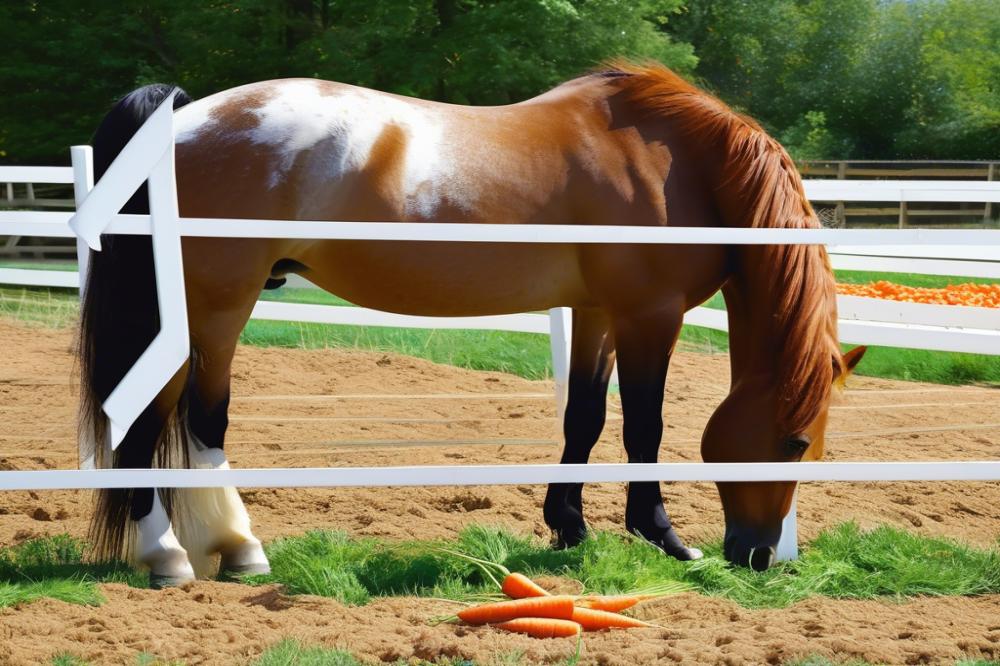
{"x":844,"y":562}
{"x":54,"y":567}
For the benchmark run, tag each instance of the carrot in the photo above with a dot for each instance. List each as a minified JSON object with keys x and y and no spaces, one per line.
{"x":519,"y":586}
{"x":619,"y":602}
{"x":595,"y":620}
{"x":542,"y":627}
{"x":978,"y":295}
{"x":611,"y":604}
{"x":502,"y":611}
{"x":514,"y":585}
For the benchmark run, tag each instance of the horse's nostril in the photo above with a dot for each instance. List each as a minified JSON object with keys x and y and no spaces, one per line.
{"x":761,"y":558}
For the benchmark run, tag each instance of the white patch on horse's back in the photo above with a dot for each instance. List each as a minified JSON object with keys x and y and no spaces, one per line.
{"x":196,"y":117}
{"x":351,"y":120}
{"x":299,"y":114}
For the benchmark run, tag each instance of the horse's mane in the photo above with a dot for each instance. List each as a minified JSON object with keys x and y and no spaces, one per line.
{"x":756,"y":171}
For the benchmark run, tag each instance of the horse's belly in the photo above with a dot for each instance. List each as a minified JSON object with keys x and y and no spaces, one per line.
{"x":447,"y":279}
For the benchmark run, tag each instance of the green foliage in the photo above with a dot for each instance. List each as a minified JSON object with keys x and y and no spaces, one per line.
{"x":68,"y":660}
{"x":66,"y":61}
{"x":809,"y":138}
{"x":893,"y":79}
{"x":293,"y":653}
{"x":844,"y":562}
{"x":54,"y":567}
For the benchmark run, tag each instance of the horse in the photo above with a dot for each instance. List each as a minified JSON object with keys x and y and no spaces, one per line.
{"x":628,"y":144}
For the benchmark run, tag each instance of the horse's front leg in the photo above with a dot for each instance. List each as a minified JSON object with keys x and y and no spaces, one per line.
{"x":644,"y":345}
{"x":591,"y":359}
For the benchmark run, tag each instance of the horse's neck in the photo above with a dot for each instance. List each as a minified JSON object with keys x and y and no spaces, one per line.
{"x":752,"y":350}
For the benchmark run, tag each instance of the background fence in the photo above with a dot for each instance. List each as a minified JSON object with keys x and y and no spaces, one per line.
{"x":902,"y":212}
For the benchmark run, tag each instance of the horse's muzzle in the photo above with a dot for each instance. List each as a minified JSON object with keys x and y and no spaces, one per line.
{"x":752,"y":548}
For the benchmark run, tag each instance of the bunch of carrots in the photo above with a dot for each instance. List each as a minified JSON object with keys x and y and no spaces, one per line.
{"x":532,"y":610}
{"x":978,"y":295}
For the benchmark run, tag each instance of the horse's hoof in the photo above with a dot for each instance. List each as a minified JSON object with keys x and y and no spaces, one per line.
{"x":239,"y":570}
{"x":671,"y":545}
{"x":160,"y":581}
{"x":692,"y":554}
{"x":568,"y":538}
{"x":244,"y":559}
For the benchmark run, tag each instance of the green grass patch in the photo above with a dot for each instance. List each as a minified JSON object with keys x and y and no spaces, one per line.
{"x":52,"y":308}
{"x":68,"y":660}
{"x":293,"y":653}
{"x":909,"y":279}
{"x":844,"y":562}
{"x":54,"y":567}
{"x":523,"y":354}
{"x":47,"y":265}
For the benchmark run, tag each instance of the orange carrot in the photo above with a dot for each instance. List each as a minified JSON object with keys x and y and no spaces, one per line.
{"x":611,"y":604}
{"x":514,"y":585}
{"x":502,"y":611}
{"x":619,"y":602}
{"x":977,"y":295}
{"x":595,"y":620}
{"x":542,"y":627}
{"x":519,"y":586}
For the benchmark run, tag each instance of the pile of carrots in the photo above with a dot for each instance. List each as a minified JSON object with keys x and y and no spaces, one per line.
{"x":978,"y":295}
{"x":532,"y":610}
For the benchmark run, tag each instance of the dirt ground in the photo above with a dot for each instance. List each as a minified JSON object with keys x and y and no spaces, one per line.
{"x":338,"y":408}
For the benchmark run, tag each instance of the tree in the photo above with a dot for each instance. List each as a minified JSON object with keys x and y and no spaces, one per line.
{"x":67,"y":60}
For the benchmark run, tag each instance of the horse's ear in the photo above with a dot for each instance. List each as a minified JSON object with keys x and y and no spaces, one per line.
{"x":849,"y":361}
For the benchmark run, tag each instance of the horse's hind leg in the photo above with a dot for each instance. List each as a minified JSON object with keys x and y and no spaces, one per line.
{"x":219,"y":522}
{"x":157,"y":546}
{"x":644,"y":344}
{"x":591,"y":360}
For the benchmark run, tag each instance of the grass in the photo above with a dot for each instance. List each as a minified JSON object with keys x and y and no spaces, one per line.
{"x":909,"y":279}
{"x":294,"y":653}
{"x":54,"y":567}
{"x":146,"y":659}
{"x":290,"y":652}
{"x":843,"y":563}
{"x":522,"y":354}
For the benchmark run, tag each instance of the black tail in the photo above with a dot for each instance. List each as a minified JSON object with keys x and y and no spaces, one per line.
{"x":119,"y":319}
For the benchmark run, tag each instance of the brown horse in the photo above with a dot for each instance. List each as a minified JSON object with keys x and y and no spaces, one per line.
{"x":632,"y":145}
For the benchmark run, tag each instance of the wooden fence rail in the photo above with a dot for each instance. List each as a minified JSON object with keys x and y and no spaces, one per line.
{"x":901,"y":169}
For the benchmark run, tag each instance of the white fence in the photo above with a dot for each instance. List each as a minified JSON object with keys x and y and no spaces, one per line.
{"x":150,"y":156}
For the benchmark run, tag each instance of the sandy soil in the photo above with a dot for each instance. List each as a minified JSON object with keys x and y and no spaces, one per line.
{"x":324,"y":408}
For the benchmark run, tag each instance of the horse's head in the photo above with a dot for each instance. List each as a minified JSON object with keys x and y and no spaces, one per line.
{"x":744,"y":429}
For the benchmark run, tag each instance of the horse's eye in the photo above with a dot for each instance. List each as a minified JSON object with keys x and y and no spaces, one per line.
{"x":797,"y":445}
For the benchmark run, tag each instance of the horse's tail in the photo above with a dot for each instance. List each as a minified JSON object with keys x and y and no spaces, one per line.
{"x":119,"y":318}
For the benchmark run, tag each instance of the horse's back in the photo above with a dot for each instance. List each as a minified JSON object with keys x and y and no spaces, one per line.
{"x":307,"y":149}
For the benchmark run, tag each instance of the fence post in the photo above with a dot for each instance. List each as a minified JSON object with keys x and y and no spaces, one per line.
{"x":82,"y":158}
{"x":560,"y":338}
{"x":902,"y":214}
{"x":788,"y":545}
{"x":991,"y":172}
{"x":839,"y":214}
